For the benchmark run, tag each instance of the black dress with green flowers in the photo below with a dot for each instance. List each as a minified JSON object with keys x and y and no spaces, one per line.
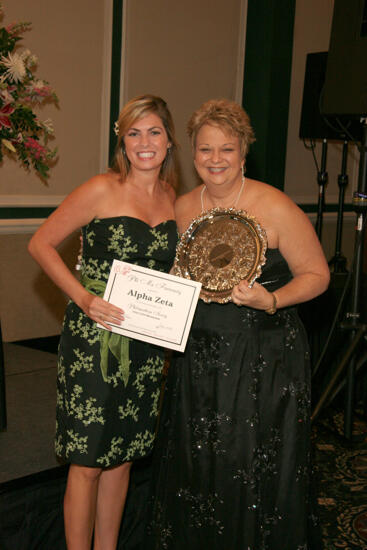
{"x":108,"y":385}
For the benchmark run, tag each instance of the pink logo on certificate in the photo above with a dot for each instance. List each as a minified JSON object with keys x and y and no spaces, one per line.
{"x":122,"y":269}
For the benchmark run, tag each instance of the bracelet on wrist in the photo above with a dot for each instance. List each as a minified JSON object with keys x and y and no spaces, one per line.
{"x":273,"y":308}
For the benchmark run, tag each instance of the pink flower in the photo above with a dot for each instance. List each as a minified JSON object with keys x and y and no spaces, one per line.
{"x":4,"y":116}
{"x":37,"y":150}
{"x":38,"y":92}
{"x":16,"y":29}
{"x":10,"y":27}
{"x":44,"y":91}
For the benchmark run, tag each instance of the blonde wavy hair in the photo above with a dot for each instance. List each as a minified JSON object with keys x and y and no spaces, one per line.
{"x":134,"y":110}
{"x":226,"y":115}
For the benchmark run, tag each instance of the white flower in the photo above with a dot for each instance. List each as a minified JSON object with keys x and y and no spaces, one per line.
{"x":6,"y":97}
{"x":25,"y":54}
{"x":29,"y":59}
{"x":48,"y":126}
{"x":32,"y":60}
{"x":9,"y":145}
{"x":15,"y":67}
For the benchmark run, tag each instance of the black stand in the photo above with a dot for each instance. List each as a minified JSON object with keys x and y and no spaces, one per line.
{"x":2,"y":386}
{"x":338,"y":263}
{"x":322,"y":179}
{"x":352,"y":323}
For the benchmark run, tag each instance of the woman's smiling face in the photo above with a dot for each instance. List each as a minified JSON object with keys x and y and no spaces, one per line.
{"x":218,"y":158}
{"x":146,"y":143}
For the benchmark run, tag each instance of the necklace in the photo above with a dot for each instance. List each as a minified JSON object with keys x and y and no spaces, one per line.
{"x":235,"y":203}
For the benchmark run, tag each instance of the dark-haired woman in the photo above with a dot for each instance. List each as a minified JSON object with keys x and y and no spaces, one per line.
{"x":108,"y":386}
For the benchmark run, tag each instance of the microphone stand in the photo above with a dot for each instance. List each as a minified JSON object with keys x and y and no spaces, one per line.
{"x":338,"y":262}
{"x":322,"y":179}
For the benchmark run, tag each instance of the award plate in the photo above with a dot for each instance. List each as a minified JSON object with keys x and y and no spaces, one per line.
{"x":220,"y":248}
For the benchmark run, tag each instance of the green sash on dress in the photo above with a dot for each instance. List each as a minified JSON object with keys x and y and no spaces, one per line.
{"x":117,"y":344}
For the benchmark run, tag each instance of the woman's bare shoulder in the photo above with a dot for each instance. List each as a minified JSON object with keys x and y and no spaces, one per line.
{"x":261,"y":188}
{"x":187,"y":206}
{"x":188,"y":199}
{"x":268,"y":195}
{"x":167,"y":188}
{"x":97,"y":185}
{"x":104,"y":180}
{"x":87,"y":197}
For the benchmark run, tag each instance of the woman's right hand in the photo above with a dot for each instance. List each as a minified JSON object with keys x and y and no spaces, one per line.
{"x":100,"y":311}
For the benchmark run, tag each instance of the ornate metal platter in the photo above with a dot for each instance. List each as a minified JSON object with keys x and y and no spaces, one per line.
{"x":220,"y":248}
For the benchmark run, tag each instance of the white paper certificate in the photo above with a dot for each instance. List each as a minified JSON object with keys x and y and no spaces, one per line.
{"x":158,"y":307}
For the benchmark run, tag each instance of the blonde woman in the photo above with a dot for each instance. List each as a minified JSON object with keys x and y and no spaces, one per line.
{"x":232,"y":464}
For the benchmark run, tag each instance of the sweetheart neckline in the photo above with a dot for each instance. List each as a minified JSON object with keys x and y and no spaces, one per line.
{"x":132,"y":218}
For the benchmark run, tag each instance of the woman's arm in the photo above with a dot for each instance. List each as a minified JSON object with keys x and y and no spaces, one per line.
{"x":76,"y":210}
{"x":300,"y":247}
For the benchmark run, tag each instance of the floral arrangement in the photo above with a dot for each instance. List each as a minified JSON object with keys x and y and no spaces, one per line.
{"x":22,"y":134}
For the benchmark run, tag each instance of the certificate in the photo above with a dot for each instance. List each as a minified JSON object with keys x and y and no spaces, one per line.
{"x":158,"y":307}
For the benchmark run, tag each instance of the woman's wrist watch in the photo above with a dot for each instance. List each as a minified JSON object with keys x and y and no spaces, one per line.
{"x":273,"y":308}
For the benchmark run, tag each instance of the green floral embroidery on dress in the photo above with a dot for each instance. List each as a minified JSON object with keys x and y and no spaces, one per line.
{"x":59,"y":400}
{"x":121,"y":244}
{"x":129,"y":410}
{"x":85,"y":328}
{"x":84,"y":362}
{"x":141,"y":442}
{"x":76,"y":442}
{"x":89,"y":236}
{"x":58,"y":442}
{"x":161,"y":241}
{"x":86,"y":412}
{"x":155,"y":396}
{"x":95,"y":270}
{"x":152,"y":370}
{"x":114,"y":452}
{"x":61,"y":370}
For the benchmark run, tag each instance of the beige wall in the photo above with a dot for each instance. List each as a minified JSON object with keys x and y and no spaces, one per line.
{"x":312,"y":34}
{"x":30,"y":304}
{"x":186,"y":52}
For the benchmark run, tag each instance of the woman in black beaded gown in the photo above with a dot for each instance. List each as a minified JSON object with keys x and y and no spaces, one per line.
{"x":108,"y":385}
{"x":231,"y":469}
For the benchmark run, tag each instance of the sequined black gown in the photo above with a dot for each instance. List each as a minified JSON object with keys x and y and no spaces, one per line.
{"x":231,"y":469}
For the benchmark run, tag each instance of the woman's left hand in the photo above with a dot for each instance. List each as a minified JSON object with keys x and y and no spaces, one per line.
{"x":256,"y":296}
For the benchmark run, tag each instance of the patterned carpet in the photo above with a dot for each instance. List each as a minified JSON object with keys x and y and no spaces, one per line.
{"x":341,"y":468}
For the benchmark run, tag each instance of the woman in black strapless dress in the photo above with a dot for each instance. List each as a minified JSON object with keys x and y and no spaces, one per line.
{"x":108,"y":385}
{"x":231,"y":470}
